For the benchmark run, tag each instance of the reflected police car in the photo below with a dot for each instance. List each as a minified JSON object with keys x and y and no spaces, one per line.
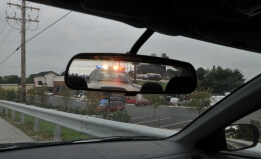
{"x":110,"y":77}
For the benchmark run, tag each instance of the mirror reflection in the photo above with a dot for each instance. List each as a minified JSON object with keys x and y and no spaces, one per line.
{"x":239,"y":136}
{"x":121,"y":75}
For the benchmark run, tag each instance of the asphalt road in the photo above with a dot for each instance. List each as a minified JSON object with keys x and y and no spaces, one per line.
{"x":165,"y":117}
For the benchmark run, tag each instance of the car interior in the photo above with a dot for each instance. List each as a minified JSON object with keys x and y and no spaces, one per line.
{"x":230,"y":23}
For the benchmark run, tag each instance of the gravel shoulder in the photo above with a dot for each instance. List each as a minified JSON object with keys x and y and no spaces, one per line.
{"x":10,"y":134}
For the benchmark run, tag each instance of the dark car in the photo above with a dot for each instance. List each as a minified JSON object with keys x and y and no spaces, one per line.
{"x":156,"y":77}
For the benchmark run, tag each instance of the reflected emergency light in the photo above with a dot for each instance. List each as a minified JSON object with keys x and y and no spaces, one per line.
{"x":116,"y":68}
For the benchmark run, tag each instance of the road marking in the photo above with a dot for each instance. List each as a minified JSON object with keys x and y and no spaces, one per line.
{"x":176,"y":123}
{"x":141,"y":117}
{"x":152,"y":121}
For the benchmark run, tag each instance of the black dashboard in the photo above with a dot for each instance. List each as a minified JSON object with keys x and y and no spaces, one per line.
{"x":100,"y":150}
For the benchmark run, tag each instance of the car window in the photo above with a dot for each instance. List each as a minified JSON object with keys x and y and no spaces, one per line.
{"x":121,"y":103}
{"x":241,"y":139}
{"x":220,"y":71}
{"x":113,"y":104}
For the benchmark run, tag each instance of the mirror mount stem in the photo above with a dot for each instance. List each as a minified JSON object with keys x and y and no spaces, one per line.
{"x":143,"y":38}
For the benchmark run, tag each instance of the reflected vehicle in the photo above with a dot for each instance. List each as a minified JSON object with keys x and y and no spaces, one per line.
{"x":153,"y":76}
{"x":110,"y":78}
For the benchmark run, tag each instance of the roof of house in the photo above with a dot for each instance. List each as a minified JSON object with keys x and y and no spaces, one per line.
{"x":46,"y":72}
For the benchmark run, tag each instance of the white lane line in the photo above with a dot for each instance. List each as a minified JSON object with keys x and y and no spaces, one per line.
{"x":142,"y":117}
{"x":152,"y":121}
{"x":176,"y":123}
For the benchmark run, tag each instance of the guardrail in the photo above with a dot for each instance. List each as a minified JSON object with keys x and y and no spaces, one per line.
{"x":81,"y":123}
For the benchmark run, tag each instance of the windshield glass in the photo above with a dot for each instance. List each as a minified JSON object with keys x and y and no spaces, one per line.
{"x":220,"y":71}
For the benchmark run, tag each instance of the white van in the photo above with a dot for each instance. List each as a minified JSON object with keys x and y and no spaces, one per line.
{"x":215,"y":99}
{"x":174,"y":101}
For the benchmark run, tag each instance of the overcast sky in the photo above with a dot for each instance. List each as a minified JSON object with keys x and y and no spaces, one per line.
{"x":78,"y":33}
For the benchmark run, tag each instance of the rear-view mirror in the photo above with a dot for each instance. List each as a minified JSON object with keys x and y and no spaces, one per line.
{"x":130,"y":74}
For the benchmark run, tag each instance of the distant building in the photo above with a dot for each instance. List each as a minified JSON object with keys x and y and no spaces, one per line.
{"x":58,"y":84}
{"x":49,"y":79}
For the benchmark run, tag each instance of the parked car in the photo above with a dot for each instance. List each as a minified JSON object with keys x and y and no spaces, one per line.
{"x":114,"y":106}
{"x":130,"y":101}
{"x":174,"y":101}
{"x":48,"y":93}
{"x":215,"y":99}
{"x":142,"y":102}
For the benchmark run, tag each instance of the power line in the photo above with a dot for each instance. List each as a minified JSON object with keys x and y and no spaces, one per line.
{"x":5,"y":24}
{"x":46,"y":28}
{"x":8,"y":43}
{"x":35,"y":36}
{"x":3,"y":12}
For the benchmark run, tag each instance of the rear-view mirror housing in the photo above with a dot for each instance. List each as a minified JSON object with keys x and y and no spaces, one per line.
{"x":129,"y":74}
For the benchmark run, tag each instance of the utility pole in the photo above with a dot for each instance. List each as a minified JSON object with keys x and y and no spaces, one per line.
{"x":23,"y":21}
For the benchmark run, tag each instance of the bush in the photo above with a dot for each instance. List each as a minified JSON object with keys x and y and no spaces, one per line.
{"x":121,"y":116}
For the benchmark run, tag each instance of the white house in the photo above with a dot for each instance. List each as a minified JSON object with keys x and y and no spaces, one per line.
{"x":45,"y":79}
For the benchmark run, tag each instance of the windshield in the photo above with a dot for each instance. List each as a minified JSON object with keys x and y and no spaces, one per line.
{"x":220,"y":71}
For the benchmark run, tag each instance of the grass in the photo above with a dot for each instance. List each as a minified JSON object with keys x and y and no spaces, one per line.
{"x":46,"y":129}
{"x":163,"y":84}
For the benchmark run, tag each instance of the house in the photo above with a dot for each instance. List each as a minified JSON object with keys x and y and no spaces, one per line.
{"x":47,"y":79}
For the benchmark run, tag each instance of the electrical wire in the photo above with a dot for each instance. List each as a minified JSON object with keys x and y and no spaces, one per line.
{"x":12,"y":25}
{"x":7,"y":46}
{"x":3,"y":12}
{"x":6,"y":23}
{"x":35,"y":36}
{"x":46,"y":28}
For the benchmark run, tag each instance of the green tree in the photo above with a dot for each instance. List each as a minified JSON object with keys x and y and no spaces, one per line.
{"x":11,"y":95}
{"x":32,"y":97}
{"x":2,"y":94}
{"x":153,"y":54}
{"x":155,"y":101}
{"x":220,"y":80}
{"x":92,"y":102}
{"x":42,"y":98}
{"x":30,"y":79}
{"x":164,"y":55}
{"x":12,"y":79}
{"x":1,"y":80}
{"x":121,"y":116}
{"x":66,"y":94}
{"x":200,"y":101}
{"x":201,"y":73}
